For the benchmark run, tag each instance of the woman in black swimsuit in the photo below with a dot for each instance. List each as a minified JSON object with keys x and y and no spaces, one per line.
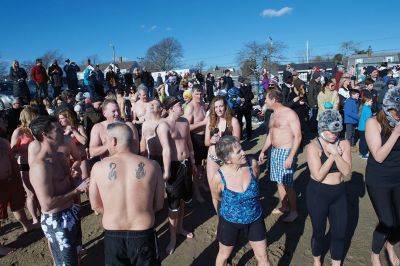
{"x":220,"y":122}
{"x":329,"y":160}
{"x":382,"y":175}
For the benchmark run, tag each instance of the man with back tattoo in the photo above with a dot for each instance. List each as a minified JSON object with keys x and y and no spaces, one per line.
{"x":127,"y":189}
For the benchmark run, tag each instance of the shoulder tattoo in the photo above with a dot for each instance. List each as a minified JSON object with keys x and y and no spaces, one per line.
{"x":112,"y":175}
{"x":140,"y":172}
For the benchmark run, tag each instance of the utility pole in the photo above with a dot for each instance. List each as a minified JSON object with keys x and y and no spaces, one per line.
{"x":307,"y":51}
{"x":113,"y":51}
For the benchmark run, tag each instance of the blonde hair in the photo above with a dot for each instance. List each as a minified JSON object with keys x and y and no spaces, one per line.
{"x":188,"y":94}
{"x":341,"y":82}
{"x":26,"y":116}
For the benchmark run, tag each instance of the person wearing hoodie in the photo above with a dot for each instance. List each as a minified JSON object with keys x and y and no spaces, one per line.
{"x":18,"y":76}
{"x":89,"y":77}
{"x":366,"y":113}
{"x":71,"y":70}
{"x":351,"y":117}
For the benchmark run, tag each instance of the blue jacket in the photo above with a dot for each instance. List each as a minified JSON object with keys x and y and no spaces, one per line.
{"x":350,"y":111}
{"x":366,"y":113}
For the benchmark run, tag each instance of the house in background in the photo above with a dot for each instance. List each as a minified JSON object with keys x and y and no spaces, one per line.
{"x":375,"y":59}
{"x":304,"y":69}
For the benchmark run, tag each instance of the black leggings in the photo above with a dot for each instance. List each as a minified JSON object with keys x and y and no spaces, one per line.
{"x":327,"y":202}
{"x":386,"y":203}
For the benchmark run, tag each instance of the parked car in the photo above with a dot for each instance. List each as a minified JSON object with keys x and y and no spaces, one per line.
{"x":6,"y":95}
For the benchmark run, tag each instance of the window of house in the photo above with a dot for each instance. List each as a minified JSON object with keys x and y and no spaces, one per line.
{"x":389,"y":59}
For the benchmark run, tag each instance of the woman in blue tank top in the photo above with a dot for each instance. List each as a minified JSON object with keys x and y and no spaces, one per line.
{"x":235,"y":185}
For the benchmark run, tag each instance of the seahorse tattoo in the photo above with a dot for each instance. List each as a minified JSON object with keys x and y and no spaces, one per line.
{"x":140,"y":172}
{"x":112,"y":175}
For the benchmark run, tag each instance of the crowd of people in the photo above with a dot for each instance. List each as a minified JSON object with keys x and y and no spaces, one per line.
{"x":127,"y":139}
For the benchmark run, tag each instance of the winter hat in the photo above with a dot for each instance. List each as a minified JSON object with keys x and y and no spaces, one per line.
{"x":188,"y":94}
{"x":240,"y":79}
{"x":391,"y":101}
{"x":79,"y":97}
{"x":369,"y":70}
{"x":330,"y":120}
{"x":287,"y":77}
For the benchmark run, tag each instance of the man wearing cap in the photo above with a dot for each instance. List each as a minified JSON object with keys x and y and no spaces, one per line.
{"x":245,"y":108}
{"x":373,"y":73}
{"x":71,"y":69}
{"x":93,"y":114}
{"x":179,"y":164}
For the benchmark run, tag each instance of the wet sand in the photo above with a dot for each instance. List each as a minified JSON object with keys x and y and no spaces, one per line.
{"x":289,"y":244}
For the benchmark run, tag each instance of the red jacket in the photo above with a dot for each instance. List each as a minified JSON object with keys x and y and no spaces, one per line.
{"x":39,"y":74}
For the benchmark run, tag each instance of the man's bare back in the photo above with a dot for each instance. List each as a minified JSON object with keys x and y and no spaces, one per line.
{"x":127,"y":185}
{"x":279,"y":128}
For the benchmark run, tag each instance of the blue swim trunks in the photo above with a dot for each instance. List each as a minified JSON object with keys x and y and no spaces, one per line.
{"x":278,"y":173}
{"x":62,"y":230}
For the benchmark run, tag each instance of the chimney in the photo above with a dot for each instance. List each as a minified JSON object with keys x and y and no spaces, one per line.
{"x":369,"y":52}
{"x":120,"y":59}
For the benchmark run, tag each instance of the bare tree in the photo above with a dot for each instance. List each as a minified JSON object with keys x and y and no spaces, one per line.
{"x":349,"y":47}
{"x":199,"y":65}
{"x":262,"y":55}
{"x":163,"y":56}
{"x":49,"y":56}
{"x":248,"y":68}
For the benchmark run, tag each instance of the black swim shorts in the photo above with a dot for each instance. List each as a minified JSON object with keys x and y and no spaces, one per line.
{"x":199,"y":148}
{"x":131,"y":247}
{"x":179,"y":185}
{"x":228,"y":232}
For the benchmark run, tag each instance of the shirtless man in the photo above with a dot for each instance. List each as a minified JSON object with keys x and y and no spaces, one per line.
{"x":195,"y":113}
{"x":285,"y":137}
{"x":178,"y":159}
{"x":127,"y":189}
{"x":140,"y":107}
{"x":51,"y":178}
{"x":98,"y":136}
{"x":150,"y":145}
{"x":12,"y":193}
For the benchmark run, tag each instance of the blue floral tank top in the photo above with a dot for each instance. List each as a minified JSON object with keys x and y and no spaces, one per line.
{"x":241,"y":207}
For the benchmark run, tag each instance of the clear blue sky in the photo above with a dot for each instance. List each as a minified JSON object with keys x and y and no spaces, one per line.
{"x":212,"y":31}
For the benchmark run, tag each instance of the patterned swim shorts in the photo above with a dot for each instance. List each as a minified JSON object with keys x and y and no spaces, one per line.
{"x":62,"y":230}
{"x":278,"y":173}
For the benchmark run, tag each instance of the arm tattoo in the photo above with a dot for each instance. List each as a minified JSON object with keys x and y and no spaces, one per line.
{"x":112,"y":175}
{"x":140,"y":172}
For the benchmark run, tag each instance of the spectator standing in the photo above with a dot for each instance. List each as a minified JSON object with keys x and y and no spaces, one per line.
{"x":351,"y":117}
{"x":210,"y":81}
{"x":366,"y":113}
{"x":245,"y":108}
{"x":18,"y":76}
{"x":71,"y":70}
{"x":39,"y":76}
{"x":312,"y":98}
{"x":55,"y":74}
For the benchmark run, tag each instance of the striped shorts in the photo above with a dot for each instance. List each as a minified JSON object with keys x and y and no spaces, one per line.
{"x":278,"y":173}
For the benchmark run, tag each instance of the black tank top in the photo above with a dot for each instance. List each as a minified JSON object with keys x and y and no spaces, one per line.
{"x":333,"y":168}
{"x":387,"y":173}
